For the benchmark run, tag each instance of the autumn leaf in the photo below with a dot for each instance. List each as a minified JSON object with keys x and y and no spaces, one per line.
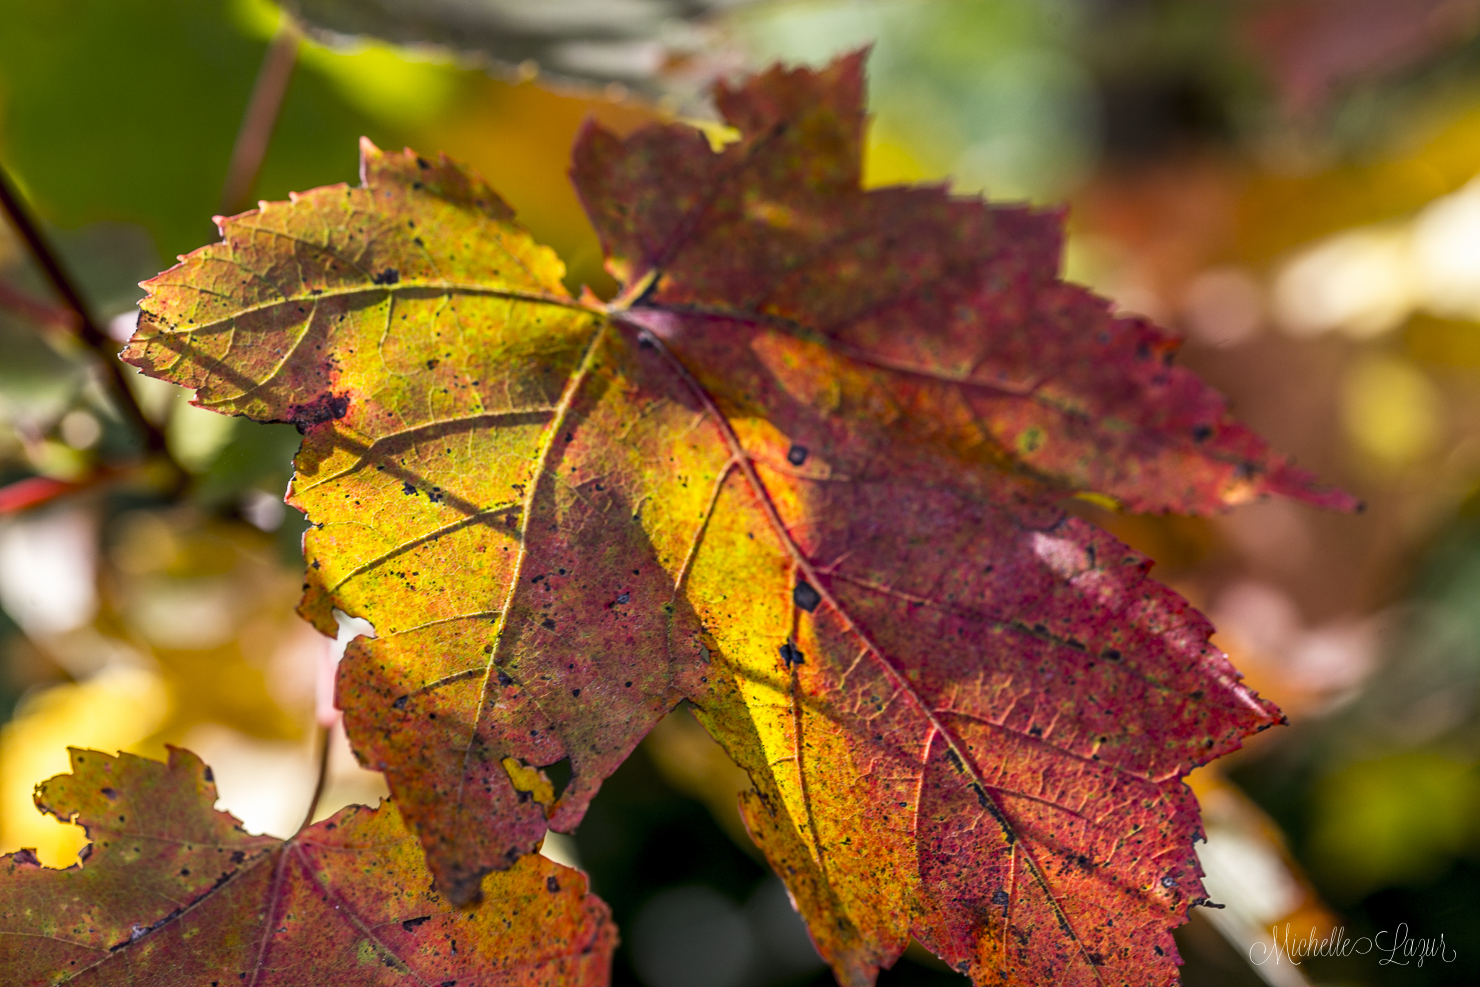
{"x":171,"y":890}
{"x":806,"y":471}
{"x":953,"y":309}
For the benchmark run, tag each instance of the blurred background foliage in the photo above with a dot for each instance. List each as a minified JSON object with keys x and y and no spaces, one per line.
{"x":1290,"y":185}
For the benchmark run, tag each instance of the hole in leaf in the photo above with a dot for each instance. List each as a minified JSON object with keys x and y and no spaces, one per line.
{"x":559,"y":774}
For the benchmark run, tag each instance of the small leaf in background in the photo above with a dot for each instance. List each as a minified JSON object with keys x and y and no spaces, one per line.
{"x":805,"y":472}
{"x":171,"y":889}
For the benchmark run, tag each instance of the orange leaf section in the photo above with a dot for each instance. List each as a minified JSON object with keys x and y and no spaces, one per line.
{"x":805,"y":472}
{"x":172,"y":891}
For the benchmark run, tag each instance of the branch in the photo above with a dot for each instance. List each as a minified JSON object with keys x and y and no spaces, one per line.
{"x":33,"y":492}
{"x":262,"y":113}
{"x":87,"y":328}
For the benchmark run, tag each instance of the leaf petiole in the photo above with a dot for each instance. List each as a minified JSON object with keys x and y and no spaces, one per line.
{"x":321,"y":781}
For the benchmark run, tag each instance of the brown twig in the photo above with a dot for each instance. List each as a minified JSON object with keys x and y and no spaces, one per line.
{"x":321,"y":782}
{"x":261,"y":117}
{"x":88,"y":330}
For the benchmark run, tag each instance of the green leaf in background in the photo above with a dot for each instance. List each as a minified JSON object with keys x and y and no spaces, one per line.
{"x":126,"y":110}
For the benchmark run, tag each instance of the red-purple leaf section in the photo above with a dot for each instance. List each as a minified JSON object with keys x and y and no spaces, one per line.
{"x":966,"y":715}
{"x":957,"y":303}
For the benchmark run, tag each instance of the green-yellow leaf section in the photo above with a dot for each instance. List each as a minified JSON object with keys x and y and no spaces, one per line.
{"x":412,"y":313}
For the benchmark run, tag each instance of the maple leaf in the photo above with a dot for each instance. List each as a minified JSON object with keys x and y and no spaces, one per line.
{"x":806,"y":471}
{"x":171,"y":890}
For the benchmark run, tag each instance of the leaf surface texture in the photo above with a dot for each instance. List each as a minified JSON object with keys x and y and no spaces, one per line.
{"x":806,"y":471}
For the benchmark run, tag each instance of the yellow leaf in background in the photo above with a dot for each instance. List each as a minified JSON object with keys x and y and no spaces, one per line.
{"x":210,"y":602}
{"x":1391,"y":410}
{"x":190,"y":638}
{"x":119,"y":709}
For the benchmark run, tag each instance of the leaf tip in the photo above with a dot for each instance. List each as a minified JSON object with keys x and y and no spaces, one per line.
{"x":368,"y":153}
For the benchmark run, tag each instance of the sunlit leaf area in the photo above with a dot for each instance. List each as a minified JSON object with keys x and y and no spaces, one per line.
{"x":1293,"y":188}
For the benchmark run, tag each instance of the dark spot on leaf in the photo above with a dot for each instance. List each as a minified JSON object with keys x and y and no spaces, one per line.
{"x":1202,"y":433}
{"x":408,"y":488}
{"x":388,"y":276}
{"x":796,"y":455}
{"x":210,"y":775}
{"x":237,"y":856}
{"x":503,"y":678}
{"x":1000,"y":898}
{"x":1169,"y":882}
{"x":805,"y":596}
{"x":548,"y":624}
{"x":325,"y":407}
{"x":109,"y":794}
{"x":422,"y":162}
{"x":552,"y":885}
{"x":432,"y":364}
{"x":184,"y":871}
{"x":624,"y":597}
{"x":791,"y":655}
{"x":412,"y":923}
{"x":400,"y":703}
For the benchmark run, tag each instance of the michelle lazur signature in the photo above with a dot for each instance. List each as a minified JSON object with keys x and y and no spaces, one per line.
{"x":1395,"y":947}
